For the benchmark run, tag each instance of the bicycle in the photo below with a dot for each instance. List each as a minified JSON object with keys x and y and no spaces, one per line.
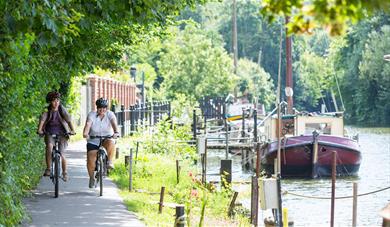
{"x":55,"y":165}
{"x":101,"y":169}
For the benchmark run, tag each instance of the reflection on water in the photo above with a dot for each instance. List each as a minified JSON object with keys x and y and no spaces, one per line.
{"x":374,"y":174}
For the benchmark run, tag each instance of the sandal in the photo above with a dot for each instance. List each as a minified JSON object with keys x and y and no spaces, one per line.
{"x":46,"y":173}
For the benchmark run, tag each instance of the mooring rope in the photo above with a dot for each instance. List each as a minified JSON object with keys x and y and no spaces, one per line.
{"x":341,"y":197}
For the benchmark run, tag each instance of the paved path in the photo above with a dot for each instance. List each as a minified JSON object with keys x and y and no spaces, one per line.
{"x":77,"y":205}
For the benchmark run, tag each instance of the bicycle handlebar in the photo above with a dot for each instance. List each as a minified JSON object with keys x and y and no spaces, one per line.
{"x":56,"y":135}
{"x":101,"y":137}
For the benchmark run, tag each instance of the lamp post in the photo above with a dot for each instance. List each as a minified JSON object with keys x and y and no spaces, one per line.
{"x":143,"y":87}
{"x":133,"y":72}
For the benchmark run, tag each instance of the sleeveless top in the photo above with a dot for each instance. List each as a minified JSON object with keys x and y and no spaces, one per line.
{"x":54,"y":125}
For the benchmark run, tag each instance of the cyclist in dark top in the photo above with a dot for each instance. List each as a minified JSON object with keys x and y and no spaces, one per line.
{"x":56,"y":120}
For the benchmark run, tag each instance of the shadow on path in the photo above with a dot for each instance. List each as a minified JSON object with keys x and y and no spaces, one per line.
{"x":77,"y":205}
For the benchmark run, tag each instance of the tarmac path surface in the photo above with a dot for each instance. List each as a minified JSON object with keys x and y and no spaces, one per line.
{"x":77,"y":205}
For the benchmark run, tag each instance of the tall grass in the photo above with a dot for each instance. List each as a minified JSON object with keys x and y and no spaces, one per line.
{"x":155,"y":167}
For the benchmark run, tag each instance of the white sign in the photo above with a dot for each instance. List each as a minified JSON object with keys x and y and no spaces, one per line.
{"x":288,"y":91}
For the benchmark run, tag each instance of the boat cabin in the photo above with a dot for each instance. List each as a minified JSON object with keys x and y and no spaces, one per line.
{"x":305,"y":124}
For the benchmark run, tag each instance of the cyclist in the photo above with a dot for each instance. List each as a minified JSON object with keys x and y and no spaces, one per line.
{"x":101,"y":122}
{"x":56,"y":120}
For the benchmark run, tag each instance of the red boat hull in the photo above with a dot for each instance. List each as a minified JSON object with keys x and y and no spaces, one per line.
{"x":297,"y":156}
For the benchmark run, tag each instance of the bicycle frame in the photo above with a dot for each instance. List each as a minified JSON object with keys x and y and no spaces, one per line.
{"x":101,"y":162}
{"x":55,"y":167}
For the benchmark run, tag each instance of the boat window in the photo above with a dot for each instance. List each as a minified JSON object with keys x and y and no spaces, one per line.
{"x":322,"y":128}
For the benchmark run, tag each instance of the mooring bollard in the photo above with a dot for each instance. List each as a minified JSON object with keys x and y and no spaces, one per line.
{"x":161,"y":204}
{"x":226,"y":172}
{"x":180,"y":218}
{"x":117,"y":153}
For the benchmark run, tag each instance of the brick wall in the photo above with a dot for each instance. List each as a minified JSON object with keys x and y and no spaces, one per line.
{"x":125,"y":93}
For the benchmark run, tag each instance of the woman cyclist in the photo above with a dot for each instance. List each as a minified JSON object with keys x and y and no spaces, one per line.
{"x":56,"y":120}
{"x":101,"y":122}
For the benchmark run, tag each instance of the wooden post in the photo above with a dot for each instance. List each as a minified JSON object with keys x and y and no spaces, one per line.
{"x":117,"y":153}
{"x":180,"y":218}
{"x":315,"y":155}
{"x":243,"y":158}
{"x":226,"y":140}
{"x":127,"y":160}
{"x":205,"y":161}
{"x":232,"y":204}
{"x":226,"y":172}
{"x":131,"y":170}
{"x":202,"y":160}
{"x":243,"y":126}
{"x":123,"y":121}
{"x":177,"y":172}
{"x":194,"y":124}
{"x":280,"y":207}
{"x":255,"y":125}
{"x":254,"y":201}
{"x":257,"y":148}
{"x":161,"y":203}
{"x":334,"y":166}
{"x":136,"y":153}
{"x":354,"y":212}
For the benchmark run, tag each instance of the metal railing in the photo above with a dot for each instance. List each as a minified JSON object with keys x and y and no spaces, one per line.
{"x":142,"y":115}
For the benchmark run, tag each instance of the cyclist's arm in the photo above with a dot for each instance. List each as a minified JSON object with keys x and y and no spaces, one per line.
{"x":114,"y":125}
{"x":87,"y":127}
{"x":40,"y":125}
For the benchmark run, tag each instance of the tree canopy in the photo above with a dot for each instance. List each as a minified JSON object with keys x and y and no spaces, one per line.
{"x":334,"y":16}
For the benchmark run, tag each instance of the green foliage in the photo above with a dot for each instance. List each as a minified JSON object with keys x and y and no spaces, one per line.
{"x":314,"y":80}
{"x":192,"y":65}
{"x":257,"y":39}
{"x":43,"y":45}
{"x":156,"y":168}
{"x":346,"y":62}
{"x":332,"y":15}
{"x":255,"y":82}
{"x":374,"y":79}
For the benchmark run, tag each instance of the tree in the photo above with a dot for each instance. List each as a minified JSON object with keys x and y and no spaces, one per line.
{"x":331,"y":15}
{"x":193,"y":66}
{"x":373,"y":96}
{"x":255,"y":82}
{"x":44,"y":44}
{"x":313,"y":82}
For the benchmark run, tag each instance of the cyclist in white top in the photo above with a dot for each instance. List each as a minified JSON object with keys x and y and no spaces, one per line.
{"x":101,"y":122}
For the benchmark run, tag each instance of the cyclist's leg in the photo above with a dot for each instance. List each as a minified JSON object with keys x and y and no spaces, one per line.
{"x":91,"y":158}
{"x":110,"y":147}
{"x":62,"y":147}
{"x":49,"y":141}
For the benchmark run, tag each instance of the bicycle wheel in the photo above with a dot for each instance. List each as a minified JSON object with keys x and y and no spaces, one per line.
{"x":56,"y":174}
{"x":101,"y":166}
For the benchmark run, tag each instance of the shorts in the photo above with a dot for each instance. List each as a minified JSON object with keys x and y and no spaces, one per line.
{"x":62,"y":145}
{"x":91,"y":147}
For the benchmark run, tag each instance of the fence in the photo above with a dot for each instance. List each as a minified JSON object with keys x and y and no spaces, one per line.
{"x":212,"y":108}
{"x":142,"y":115}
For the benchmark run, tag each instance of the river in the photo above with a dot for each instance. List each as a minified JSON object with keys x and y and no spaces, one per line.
{"x":374,"y":174}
